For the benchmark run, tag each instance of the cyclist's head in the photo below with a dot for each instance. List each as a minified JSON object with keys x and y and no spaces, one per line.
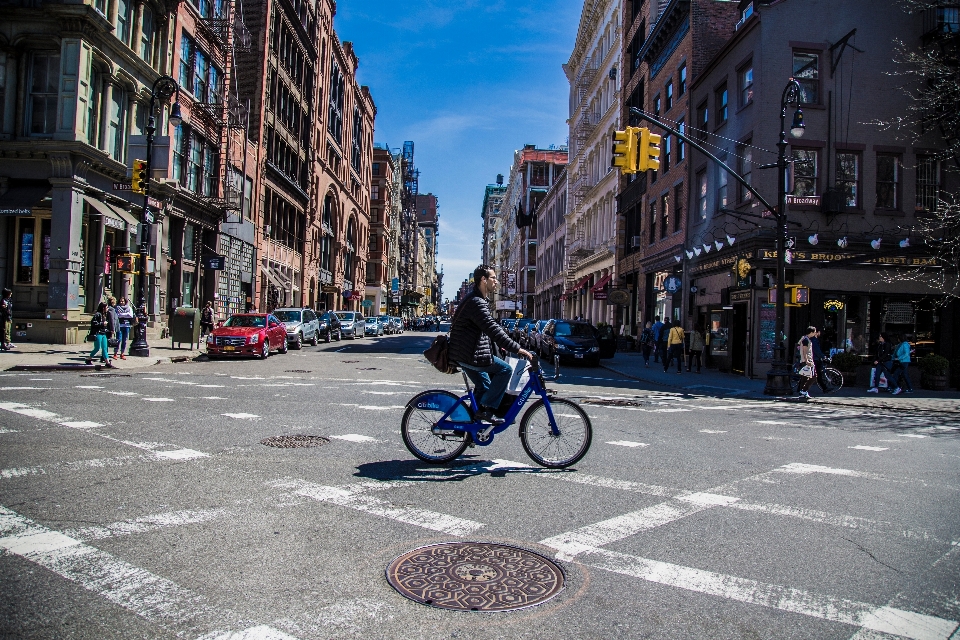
{"x":481,"y":272}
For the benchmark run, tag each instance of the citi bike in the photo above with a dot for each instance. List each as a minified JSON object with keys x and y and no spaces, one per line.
{"x":438,"y":426}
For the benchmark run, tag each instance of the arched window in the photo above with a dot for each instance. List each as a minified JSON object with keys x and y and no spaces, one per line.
{"x":351,"y":250}
{"x":326,"y":243}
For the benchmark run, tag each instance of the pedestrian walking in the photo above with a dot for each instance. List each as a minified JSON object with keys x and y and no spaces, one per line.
{"x":882,"y":364}
{"x":126,"y":319}
{"x":657,"y":327}
{"x":98,"y":332}
{"x":647,"y":343}
{"x":696,"y":347}
{"x":900,"y":376}
{"x":675,"y":337}
{"x":818,"y":364}
{"x":807,"y":371}
{"x":113,"y":325}
{"x":206,"y":319}
{"x":6,"y":319}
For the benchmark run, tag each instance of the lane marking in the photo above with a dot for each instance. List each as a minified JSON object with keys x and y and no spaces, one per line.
{"x":711,"y":431}
{"x":81,"y":424}
{"x":368,"y":407}
{"x":259,"y":632}
{"x":25,"y":388}
{"x":240,"y":416}
{"x":145,"y":524}
{"x":628,"y":443}
{"x":353,"y":498}
{"x":864,"y":447}
{"x":158,"y":399}
{"x":356,"y":437}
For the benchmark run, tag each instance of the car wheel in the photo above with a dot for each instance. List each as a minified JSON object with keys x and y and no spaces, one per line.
{"x":297,"y":343}
{"x":329,"y":336}
{"x":316,"y":338}
{"x":265,"y":351}
{"x":284,"y":347}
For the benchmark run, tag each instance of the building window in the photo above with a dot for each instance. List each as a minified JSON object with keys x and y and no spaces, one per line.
{"x":665,"y":155}
{"x":888,"y":181}
{"x":745,"y":160}
{"x":806,"y":71}
{"x":115,"y":124}
{"x":210,"y":172}
{"x":186,"y":63}
{"x":848,"y":178}
{"x":805,"y":172}
{"x":179,"y":153}
{"x":124,"y":8}
{"x":335,"y":107}
{"x":669,"y":92}
{"x":375,"y":192}
{"x":682,"y":83}
{"x":656,"y":105}
{"x":722,"y":105}
{"x":677,"y":206}
{"x":189,"y":244}
{"x":653,"y":222}
{"x":44,"y":88}
{"x":702,"y":194}
{"x":928,"y":183}
{"x":665,"y":215}
{"x":703,"y":116}
{"x":721,"y":188}
{"x":357,"y":141}
{"x":681,"y":146}
{"x":376,"y":168}
{"x":146,"y":35}
{"x":25,"y":253}
{"x":746,"y":84}
{"x":201,"y":70}
{"x":195,"y":163}
{"x":374,"y":215}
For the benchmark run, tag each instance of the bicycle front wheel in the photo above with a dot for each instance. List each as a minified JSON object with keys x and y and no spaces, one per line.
{"x":416,"y":428}
{"x":833,"y":378}
{"x":556,"y":451}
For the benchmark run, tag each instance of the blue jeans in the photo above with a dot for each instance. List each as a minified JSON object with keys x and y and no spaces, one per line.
{"x":884,"y":368}
{"x":900,"y":377}
{"x":122,"y":337}
{"x":490,"y":381}
{"x":99,"y":345}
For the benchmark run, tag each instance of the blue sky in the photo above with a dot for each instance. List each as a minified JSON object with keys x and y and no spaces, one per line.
{"x":469,"y":82}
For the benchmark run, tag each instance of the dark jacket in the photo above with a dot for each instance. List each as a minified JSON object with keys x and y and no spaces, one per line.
{"x":884,"y":352}
{"x":6,"y":309}
{"x":113,"y":321}
{"x":817,"y":351}
{"x":473,"y":328}
{"x":98,"y":324}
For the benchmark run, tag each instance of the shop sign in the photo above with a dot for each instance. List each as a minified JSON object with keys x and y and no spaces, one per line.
{"x":810,"y":256}
{"x":600,"y":295}
{"x":619,"y":296}
{"x":726,"y":261}
{"x":832,"y":305}
{"x":673,"y":284}
{"x":741,"y":296}
{"x":506,"y":305}
{"x":511,"y":283}
{"x":328,"y":288}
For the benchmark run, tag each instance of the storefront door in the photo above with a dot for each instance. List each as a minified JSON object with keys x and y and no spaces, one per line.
{"x":739,"y":348}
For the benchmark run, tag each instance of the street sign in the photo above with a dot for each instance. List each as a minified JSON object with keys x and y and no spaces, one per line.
{"x":148,"y":216}
{"x":366,"y":303}
{"x":395,"y":285}
{"x":672,"y":284}
{"x":122,"y":186}
{"x":215,"y":263}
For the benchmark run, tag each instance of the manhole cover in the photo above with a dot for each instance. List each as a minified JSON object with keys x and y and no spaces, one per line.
{"x":475,"y":576}
{"x":612,"y":402}
{"x":295,"y":442}
{"x":297,"y":371}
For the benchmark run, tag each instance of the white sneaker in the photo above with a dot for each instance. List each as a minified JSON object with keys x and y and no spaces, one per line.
{"x":873,"y":390}
{"x":804,"y":394}
{"x":896,"y":391}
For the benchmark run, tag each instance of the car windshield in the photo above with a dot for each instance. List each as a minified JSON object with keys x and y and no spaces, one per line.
{"x":371,"y":321}
{"x":571,"y":330}
{"x":246,"y":321}
{"x":326,"y":316}
{"x":345,"y":316}
{"x":287,"y":316}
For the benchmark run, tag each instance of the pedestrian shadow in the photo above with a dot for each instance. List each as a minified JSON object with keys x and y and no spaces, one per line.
{"x":864,"y":421}
{"x":463,"y":468}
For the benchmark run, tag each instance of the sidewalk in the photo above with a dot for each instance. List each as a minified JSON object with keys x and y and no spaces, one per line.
{"x":712,"y":382}
{"x":71,"y":357}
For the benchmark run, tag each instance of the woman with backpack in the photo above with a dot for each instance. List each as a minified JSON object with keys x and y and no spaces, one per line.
{"x":647,"y":343}
{"x":696,"y":347}
{"x":98,"y":332}
{"x":899,"y":377}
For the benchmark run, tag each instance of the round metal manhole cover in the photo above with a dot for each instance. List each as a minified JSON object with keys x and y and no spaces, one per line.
{"x":475,"y":576}
{"x":295,"y":441}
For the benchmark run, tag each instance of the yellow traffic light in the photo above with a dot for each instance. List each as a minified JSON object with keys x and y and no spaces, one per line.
{"x":625,"y":150}
{"x":137,"y":185}
{"x":649,"y":151}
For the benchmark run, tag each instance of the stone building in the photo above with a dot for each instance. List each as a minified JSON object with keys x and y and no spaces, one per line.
{"x":385,"y":210}
{"x":551,"y":244}
{"x":428,"y":219}
{"x":593,"y":71}
{"x":490,"y":214}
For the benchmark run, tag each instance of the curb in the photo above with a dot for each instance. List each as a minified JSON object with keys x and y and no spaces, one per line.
{"x":98,"y":366}
{"x":747,"y":393}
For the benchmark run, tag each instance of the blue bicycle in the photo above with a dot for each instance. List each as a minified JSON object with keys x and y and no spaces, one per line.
{"x":438,"y":426}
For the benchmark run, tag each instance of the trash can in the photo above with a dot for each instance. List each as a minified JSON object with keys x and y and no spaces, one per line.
{"x":185,"y":327}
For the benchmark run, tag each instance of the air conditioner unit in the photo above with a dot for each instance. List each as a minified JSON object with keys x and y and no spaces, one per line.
{"x":635,"y":242}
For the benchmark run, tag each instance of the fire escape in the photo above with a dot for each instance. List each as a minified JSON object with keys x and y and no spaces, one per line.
{"x":582,"y":180}
{"x":408,"y":222}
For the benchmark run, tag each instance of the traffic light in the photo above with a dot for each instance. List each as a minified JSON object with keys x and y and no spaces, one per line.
{"x":138,"y":184}
{"x":649,"y":151}
{"x":625,"y":150}
{"x":127,"y":263}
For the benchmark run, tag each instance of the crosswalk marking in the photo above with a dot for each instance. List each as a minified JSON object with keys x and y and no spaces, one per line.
{"x":240,"y":416}
{"x":146,"y":524}
{"x":864,"y":447}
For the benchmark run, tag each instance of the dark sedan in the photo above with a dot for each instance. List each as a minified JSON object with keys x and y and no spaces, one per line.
{"x":571,"y":340}
{"x":330,"y":326}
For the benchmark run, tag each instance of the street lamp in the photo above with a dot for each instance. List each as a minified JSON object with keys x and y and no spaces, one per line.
{"x":778,"y":378}
{"x":164,"y":88}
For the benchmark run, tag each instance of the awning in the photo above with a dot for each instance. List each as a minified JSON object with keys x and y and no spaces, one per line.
{"x":581,"y":283}
{"x":113,"y":216}
{"x":20,"y":200}
{"x":602,"y":283}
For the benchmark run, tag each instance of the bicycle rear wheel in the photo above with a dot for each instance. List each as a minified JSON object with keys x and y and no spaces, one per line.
{"x":833,"y":378}
{"x":556,"y":451}
{"x":416,"y":430}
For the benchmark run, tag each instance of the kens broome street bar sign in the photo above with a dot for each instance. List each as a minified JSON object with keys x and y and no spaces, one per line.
{"x":810,"y":256}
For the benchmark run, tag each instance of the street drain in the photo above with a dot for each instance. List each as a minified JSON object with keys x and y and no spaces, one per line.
{"x":295,"y":442}
{"x":297,"y":371}
{"x":475,"y":576}
{"x":612,"y":402}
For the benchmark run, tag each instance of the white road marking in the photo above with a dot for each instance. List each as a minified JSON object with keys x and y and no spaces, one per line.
{"x":259,"y":632}
{"x":212,"y":398}
{"x":240,"y":416}
{"x":40,"y":379}
{"x":353,"y":499}
{"x":627,"y":443}
{"x":181,"y":454}
{"x":356,"y":437}
{"x":711,"y":431}
{"x":158,"y":399}
{"x":909,"y":435}
{"x":8,"y":430}
{"x":123,"y":393}
{"x":89,"y":386}
{"x":102,"y":463}
{"x":369,"y":407}
{"x":24,"y":388}
{"x":81,"y":424}
{"x":145,"y":524}
{"x":864,"y":447}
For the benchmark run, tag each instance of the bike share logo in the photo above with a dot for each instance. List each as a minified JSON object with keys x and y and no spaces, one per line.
{"x":526,"y":394}
{"x":428,"y":405}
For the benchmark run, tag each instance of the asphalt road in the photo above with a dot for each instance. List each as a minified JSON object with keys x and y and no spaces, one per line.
{"x":143,"y":505}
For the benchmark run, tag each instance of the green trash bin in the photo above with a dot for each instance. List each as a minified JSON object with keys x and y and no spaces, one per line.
{"x":185,"y":327}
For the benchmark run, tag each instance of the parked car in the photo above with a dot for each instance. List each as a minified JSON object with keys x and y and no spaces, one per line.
{"x":352,"y":324}
{"x":248,"y":334}
{"x":573,"y":341}
{"x":387,"y":323}
{"x":536,"y":334}
{"x":330,"y":326}
{"x":302,"y":326}
{"x":373,"y":327}
{"x":398,"y":324}
{"x":607,"y":341}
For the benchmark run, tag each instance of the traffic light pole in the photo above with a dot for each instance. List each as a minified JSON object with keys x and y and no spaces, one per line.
{"x":164,"y":86}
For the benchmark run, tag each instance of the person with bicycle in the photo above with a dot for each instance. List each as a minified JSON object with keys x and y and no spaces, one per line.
{"x":472,"y":335}
{"x":819,"y":364}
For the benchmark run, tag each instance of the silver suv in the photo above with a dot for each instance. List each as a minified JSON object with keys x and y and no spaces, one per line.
{"x":302,"y":326}
{"x":352,"y":324}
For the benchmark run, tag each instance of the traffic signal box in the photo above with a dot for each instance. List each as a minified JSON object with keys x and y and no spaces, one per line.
{"x":139,"y":181}
{"x":649,"y":151}
{"x":625,"y":150}
{"x":127,"y":263}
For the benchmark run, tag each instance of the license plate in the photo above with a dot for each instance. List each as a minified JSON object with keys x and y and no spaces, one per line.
{"x":578,"y":355}
{"x":229,"y":348}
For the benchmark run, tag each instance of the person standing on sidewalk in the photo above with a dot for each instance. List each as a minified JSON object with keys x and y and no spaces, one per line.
{"x":6,"y":318}
{"x":658,"y":354}
{"x":882,"y":365}
{"x":98,"y":330}
{"x":675,"y":338}
{"x":808,"y":368}
{"x":647,"y":343}
{"x":900,"y":376}
{"x":696,"y":347}
{"x":113,"y":324}
{"x":125,"y":317}
{"x":206,"y":319}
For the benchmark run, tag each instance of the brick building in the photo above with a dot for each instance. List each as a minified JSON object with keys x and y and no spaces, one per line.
{"x":551,"y":247}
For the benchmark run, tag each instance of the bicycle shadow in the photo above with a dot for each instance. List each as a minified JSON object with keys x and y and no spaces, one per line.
{"x":463,"y":468}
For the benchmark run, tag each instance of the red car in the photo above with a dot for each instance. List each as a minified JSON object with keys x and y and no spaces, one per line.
{"x":248,"y":334}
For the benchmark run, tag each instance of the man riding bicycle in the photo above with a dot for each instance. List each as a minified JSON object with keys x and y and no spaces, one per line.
{"x":470,"y":345}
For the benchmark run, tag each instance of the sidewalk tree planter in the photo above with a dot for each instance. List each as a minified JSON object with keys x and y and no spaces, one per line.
{"x":847,"y":363}
{"x":935,"y":372}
